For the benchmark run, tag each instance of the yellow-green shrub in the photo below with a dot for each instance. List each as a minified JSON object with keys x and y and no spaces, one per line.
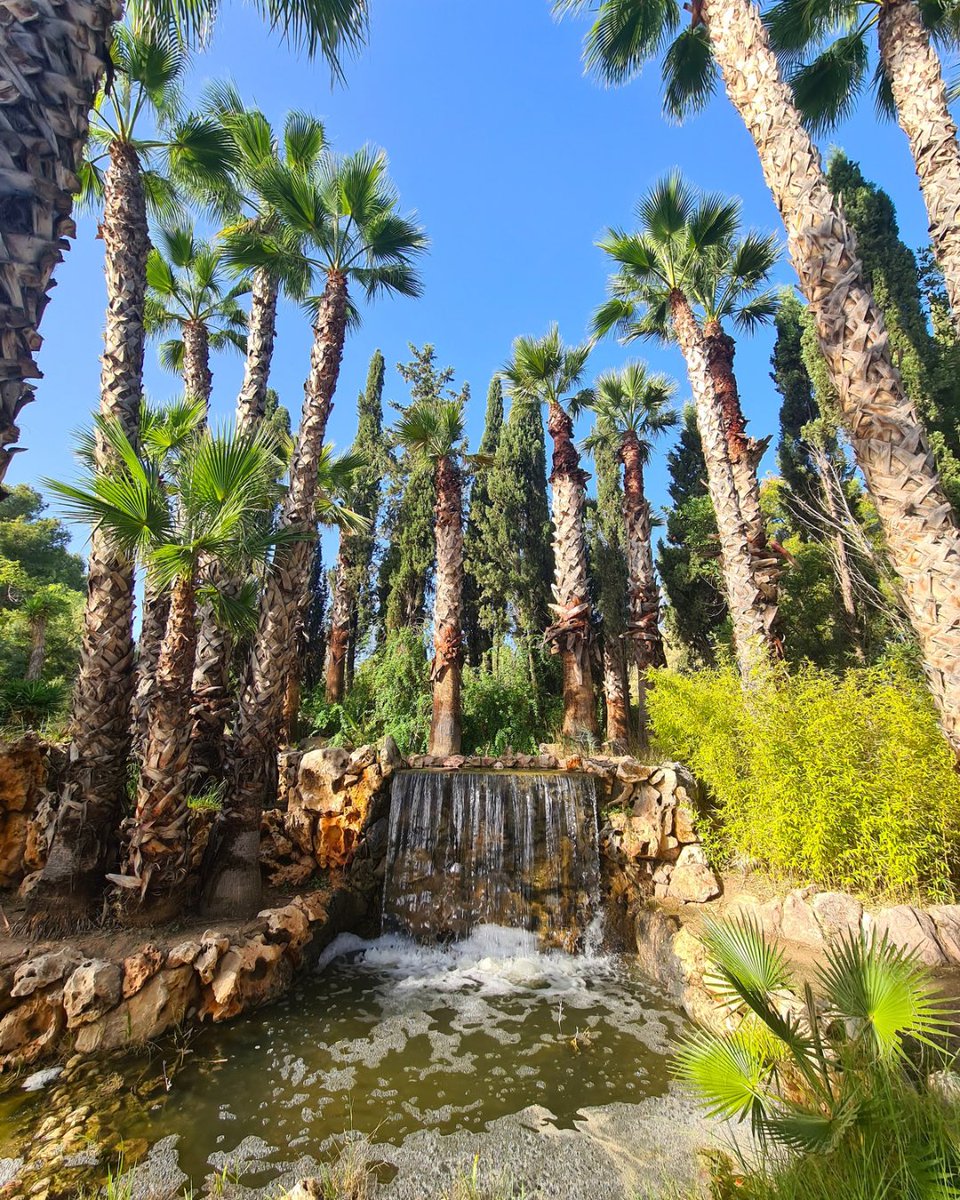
{"x":844,"y":781}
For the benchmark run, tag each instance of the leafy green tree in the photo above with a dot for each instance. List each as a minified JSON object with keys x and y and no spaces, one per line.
{"x":688,"y":560}
{"x":485,"y":621}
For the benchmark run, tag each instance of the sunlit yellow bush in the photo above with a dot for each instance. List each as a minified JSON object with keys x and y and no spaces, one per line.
{"x":844,"y":781}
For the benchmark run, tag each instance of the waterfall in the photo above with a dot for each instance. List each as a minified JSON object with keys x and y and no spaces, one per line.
{"x":471,"y":848}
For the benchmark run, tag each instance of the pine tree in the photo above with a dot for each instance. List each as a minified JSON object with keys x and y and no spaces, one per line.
{"x":929,"y":375}
{"x":688,"y":561}
{"x":484,"y":615}
{"x":407,"y":569}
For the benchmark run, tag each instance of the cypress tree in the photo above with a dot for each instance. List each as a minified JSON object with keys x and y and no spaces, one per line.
{"x":407,"y":569}
{"x":929,"y":375}
{"x":484,"y":615}
{"x":799,"y":406}
{"x":688,"y":561}
{"x":519,"y":562}
{"x":366,"y":500}
{"x":605,"y":532}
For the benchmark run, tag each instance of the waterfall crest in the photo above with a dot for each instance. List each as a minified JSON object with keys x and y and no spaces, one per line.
{"x":470,"y":848}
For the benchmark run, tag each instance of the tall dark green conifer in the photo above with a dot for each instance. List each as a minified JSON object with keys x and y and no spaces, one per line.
{"x":891,"y":268}
{"x":520,"y":554}
{"x":366,"y":500}
{"x":799,"y":405}
{"x":407,"y":568}
{"x":484,"y":614}
{"x":689,"y":560}
{"x":608,"y":563}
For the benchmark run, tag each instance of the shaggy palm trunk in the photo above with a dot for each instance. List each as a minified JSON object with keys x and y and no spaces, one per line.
{"x":570,"y":634}
{"x":643,"y":628}
{"x":340,"y":621}
{"x":745,"y":454}
{"x":38,"y":648}
{"x":616,"y":692}
{"x":153,"y":622}
{"x":197,"y":376}
{"x":261,"y":334}
{"x":94,"y":788}
{"x":155,"y":844}
{"x":916,"y":80}
{"x":53,"y":55}
{"x":445,"y":731}
{"x":921,"y":531}
{"x":748,"y":609}
{"x":233,"y":882}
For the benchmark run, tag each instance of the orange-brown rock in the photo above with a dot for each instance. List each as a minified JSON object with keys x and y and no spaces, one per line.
{"x":139,"y":968}
{"x":23,"y":780}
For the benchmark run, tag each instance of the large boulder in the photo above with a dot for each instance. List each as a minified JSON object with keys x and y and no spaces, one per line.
{"x":93,"y":989}
{"x":23,"y":781}
{"x":692,"y":881}
{"x":913,"y":930}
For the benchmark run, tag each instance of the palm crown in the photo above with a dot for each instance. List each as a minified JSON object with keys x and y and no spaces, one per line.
{"x":187,"y":282}
{"x":344,"y":209}
{"x":250,"y":219}
{"x":206,"y":503}
{"x":689,"y":243}
{"x":431,"y":428}
{"x":175,"y":149}
{"x":632,"y":401}
{"x":627,"y":33}
{"x":825,"y":46}
{"x":546,"y":370}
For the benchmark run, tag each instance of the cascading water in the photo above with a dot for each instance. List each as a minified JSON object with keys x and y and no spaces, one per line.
{"x":470,"y":848}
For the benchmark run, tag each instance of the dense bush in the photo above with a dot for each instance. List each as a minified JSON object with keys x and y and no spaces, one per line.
{"x":31,"y":703}
{"x":845,"y":781}
{"x":391,"y":694}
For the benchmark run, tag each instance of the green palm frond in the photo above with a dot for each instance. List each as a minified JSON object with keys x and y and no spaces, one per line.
{"x":545,"y":369}
{"x":794,"y":25}
{"x":625,"y":34}
{"x":91,"y":180}
{"x":432,"y":428}
{"x":885,"y":991}
{"x":164,"y":202}
{"x":177,"y":246}
{"x":160,"y":277}
{"x":167,"y":429}
{"x":234,"y":610}
{"x":827,"y":89}
{"x":304,"y":140}
{"x":690,"y":74}
{"x":171,"y":354}
{"x":728,"y":1072}
{"x":202,"y":151}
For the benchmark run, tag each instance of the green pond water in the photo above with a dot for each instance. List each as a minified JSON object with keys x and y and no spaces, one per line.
{"x":387,"y":1038}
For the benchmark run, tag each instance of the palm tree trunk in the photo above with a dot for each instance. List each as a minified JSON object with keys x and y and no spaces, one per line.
{"x":445,"y":730}
{"x":340,"y":620}
{"x":748,"y":609}
{"x":94,"y":788}
{"x":745,"y":454}
{"x":889,"y":442}
{"x":261,"y":333}
{"x":156,"y":850}
{"x":197,"y":376}
{"x":643,"y":629}
{"x":153,"y":621}
{"x":52,"y":56}
{"x":616,"y":693}
{"x":38,"y":648}
{"x":916,"y":79}
{"x":571,"y":632}
{"x":233,"y":884}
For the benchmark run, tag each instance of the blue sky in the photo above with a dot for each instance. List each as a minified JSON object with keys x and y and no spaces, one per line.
{"x":515,"y":163}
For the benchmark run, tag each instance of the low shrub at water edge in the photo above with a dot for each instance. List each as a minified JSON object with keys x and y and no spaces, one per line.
{"x":845,"y":781}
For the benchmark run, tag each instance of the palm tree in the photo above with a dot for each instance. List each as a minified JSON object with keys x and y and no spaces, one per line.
{"x":826,"y":49}
{"x":724,"y":279}
{"x":632,"y":408}
{"x":346,"y":212}
{"x":208,"y":512}
{"x":127,"y":170}
{"x":279,"y":265}
{"x":432,"y":431}
{"x":654,"y":290}
{"x":58,"y":58}
{"x":188,"y":295}
{"x":39,"y":608}
{"x":545,"y":370}
{"x":727,"y":38}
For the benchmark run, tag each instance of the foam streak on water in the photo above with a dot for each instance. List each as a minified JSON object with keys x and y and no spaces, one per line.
{"x":473,"y":848}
